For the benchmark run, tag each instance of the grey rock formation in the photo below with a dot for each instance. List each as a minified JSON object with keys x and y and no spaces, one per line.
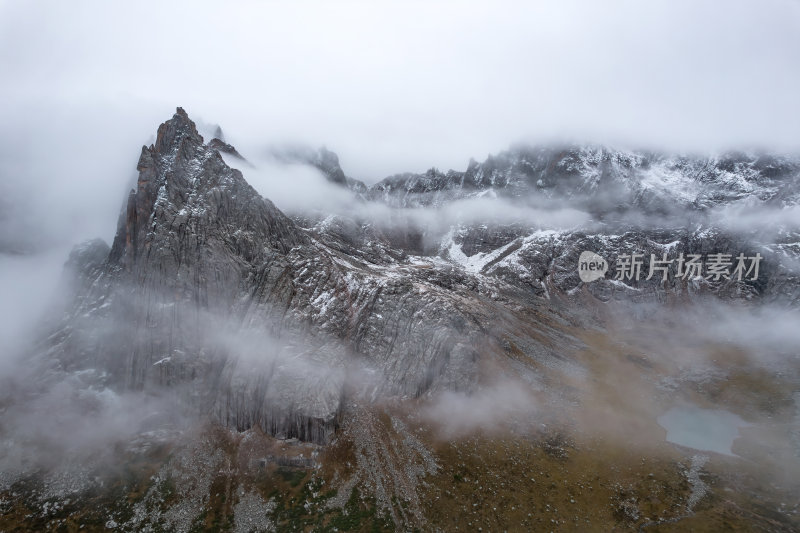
{"x":260,"y":319}
{"x":208,"y":288}
{"x":605,"y":181}
{"x":633,"y":202}
{"x":322,"y":159}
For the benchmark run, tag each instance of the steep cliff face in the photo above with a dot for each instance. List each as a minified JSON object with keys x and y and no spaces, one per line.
{"x":193,"y":244}
{"x":208,"y":288}
{"x":267,"y":321}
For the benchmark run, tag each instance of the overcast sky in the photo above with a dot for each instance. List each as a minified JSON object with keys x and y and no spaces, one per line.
{"x":389,"y":86}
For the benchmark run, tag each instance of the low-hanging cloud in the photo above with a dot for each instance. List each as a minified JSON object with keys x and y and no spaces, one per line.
{"x":302,"y":190}
{"x":490,"y":408}
{"x":753,"y":216}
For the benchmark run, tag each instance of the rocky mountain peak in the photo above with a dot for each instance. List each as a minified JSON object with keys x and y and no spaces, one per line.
{"x":195,"y":240}
{"x":328,"y":162}
{"x":183,"y":181}
{"x":218,"y":133}
{"x":324,"y":160}
{"x":175,"y":131}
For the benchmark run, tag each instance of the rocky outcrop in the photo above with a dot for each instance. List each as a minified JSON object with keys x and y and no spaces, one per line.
{"x":261,"y":320}
{"x":322,"y":159}
{"x":630,"y":203}
{"x":604,"y":181}
{"x":209,"y":289}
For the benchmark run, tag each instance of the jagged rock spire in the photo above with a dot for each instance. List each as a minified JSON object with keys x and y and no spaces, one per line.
{"x":182,"y":180}
{"x":175,"y":130}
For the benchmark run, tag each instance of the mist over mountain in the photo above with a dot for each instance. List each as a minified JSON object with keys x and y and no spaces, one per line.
{"x":459,"y":292}
{"x":400,"y":266}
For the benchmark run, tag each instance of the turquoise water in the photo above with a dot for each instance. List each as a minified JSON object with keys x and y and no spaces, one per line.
{"x":702,"y":429}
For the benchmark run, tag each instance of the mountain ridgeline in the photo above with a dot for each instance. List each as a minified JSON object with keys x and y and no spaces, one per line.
{"x":277,"y":321}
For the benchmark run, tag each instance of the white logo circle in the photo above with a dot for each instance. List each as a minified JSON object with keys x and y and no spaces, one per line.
{"x":591,"y":267}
